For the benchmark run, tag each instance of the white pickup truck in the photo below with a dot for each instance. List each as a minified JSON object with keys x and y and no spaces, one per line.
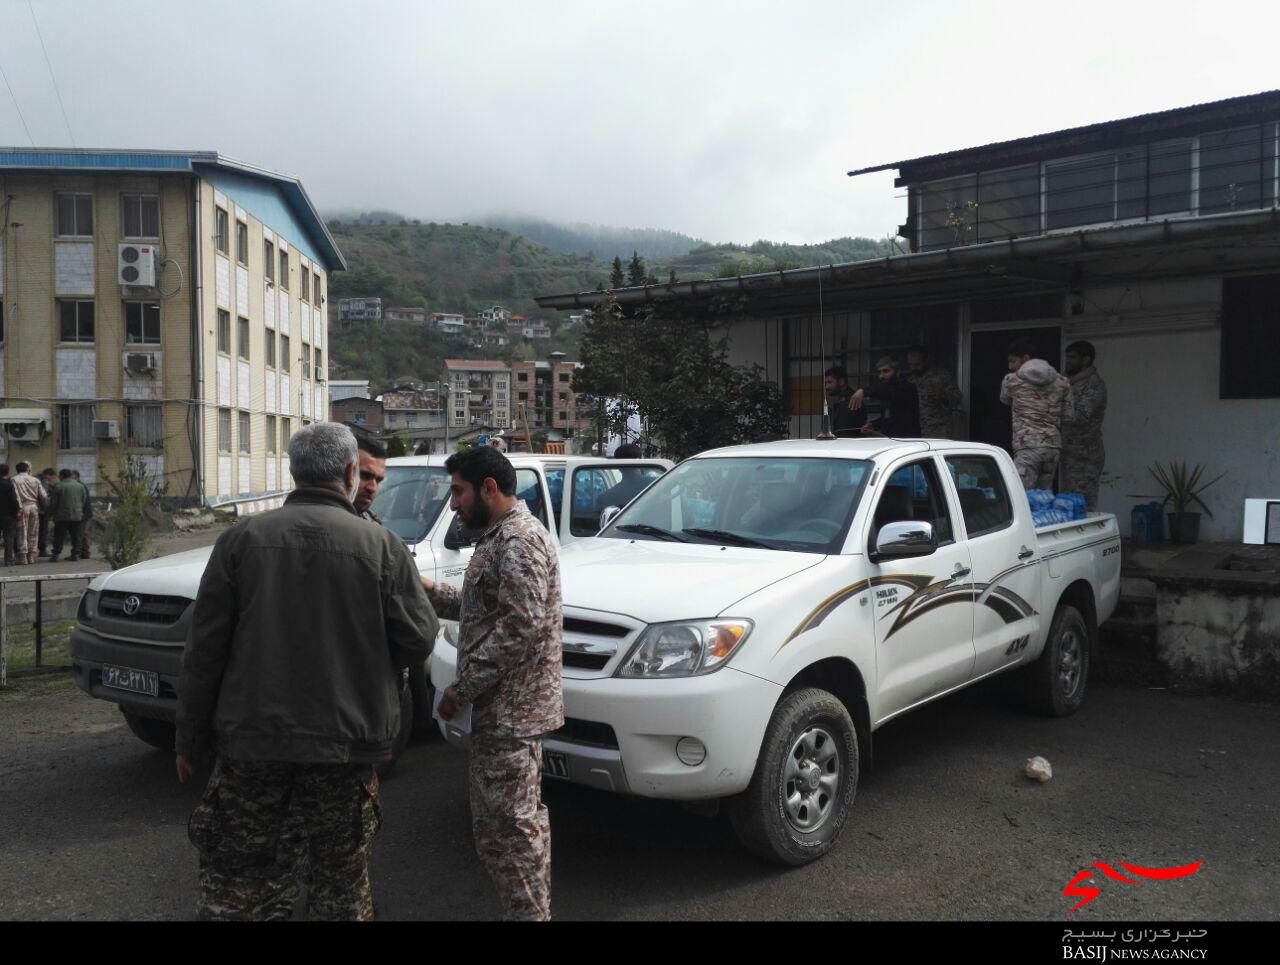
{"x":132,"y":624}
{"x":740,"y":630}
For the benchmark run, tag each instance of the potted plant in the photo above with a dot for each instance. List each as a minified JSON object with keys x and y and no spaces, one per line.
{"x":1183,"y":487}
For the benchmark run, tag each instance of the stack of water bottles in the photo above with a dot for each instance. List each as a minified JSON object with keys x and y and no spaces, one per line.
{"x":1047,"y":509}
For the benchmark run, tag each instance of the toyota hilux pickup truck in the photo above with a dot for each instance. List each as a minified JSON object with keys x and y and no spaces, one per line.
{"x":740,"y":630}
{"x":132,"y":624}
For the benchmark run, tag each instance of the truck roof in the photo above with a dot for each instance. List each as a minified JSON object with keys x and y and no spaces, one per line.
{"x":829,"y":448}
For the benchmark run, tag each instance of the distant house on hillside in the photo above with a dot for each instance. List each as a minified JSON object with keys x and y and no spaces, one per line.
{"x":536,"y":332}
{"x":404,"y":409}
{"x":495,"y":313}
{"x":449,"y":323}
{"x":415,"y":315}
{"x":353,"y":312}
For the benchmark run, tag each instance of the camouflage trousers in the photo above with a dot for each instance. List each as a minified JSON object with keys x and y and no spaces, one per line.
{"x":1081,"y":470}
{"x":256,"y":821}
{"x":1036,"y":467}
{"x":510,"y":823}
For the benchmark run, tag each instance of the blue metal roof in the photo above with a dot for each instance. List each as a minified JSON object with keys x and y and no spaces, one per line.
{"x":194,"y":162}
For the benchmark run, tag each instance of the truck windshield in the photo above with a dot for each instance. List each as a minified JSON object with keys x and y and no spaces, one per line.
{"x":800,"y":505}
{"x":410,"y":499}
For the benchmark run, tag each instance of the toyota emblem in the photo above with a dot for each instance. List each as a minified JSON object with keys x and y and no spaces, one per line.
{"x":131,"y":605}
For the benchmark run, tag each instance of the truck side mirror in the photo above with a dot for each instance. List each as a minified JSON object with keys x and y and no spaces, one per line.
{"x":458,"y":536}
{"x":608,"y":515}
{"x":905,"y":539}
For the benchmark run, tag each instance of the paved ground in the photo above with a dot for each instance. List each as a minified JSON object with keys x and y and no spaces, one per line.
{"x":92,"y":823}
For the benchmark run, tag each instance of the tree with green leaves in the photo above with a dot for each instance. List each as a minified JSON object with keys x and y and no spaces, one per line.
{"x":616,"y":278}
{"x":396,"y":446}
{"x":636,"y":271}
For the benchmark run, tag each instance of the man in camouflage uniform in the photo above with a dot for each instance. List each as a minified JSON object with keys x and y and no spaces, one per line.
{"x":1083,"y":454}
{"x":509,"y":661}
{"x":290,"y":675}
{"x":939,"y":396}
{"x":1038,"y":396}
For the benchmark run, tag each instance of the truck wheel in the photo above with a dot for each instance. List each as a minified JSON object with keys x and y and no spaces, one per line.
{"x":1055,"y":682}
{"x":401,"y":740}
{"x":423,"y":694}
{"x":157,"y":733}
{"x":798,"y":798}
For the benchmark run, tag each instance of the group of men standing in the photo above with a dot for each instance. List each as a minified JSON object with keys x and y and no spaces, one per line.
{"x":1057,"y":419}
{"x":306,"y":619}
{"x":28,"y":502}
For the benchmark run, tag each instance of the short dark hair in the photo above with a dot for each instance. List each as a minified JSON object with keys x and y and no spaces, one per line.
{"x":628,"y":450}
{"x":23,"y":466}
{"x":480,"y":463}
{"x":1083,"y":348}
{"x":48,"y":471}
{"x":918,"y":350}
{"x":372,"y":446}
{"x":1020,"y":347}
{"x":837,"y":372}
{"x":64,"y":474}
{"x":4,"y":469}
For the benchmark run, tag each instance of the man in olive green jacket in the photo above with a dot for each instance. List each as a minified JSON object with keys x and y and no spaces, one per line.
{"x":304,"y":619}
{"x":68,"y":502}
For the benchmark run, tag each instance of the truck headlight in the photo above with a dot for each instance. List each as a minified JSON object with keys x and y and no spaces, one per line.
{"x":88,"y":608}
{"x":685,"y":649}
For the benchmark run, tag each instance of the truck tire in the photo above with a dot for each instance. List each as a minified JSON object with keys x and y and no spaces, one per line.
{"x":151,"y":730}
{"x":805,"y":779}
{"x":401,"y":740}
{"x":1054,"y":685}
{"x":423,"y":694}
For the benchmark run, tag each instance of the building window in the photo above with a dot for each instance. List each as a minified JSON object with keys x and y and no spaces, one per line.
{"x":143,"y":426}
{"x":140,"y":215}
{"x":564,"y":376}
{"x":411,"y":418}
{"x":271,"y":434}
{"x":271,"y":348}
{"x":242,"y":243}
{"x":75,"y":427}
{"x":1,"y":323}
{"x":1248,"y":338}
{"x":75,"y":321}
{"x":359,"y":416}
{"x":524,"y":396}
{"x":142,"y":323}
{"x":319,"y":369}
{"x":224,"y":331}
{"x":564,"y":416}
{"x":1231,"y":169}
{"x":459,"y":414}
{"x":221,"y":231}
{"x":224,"y":430}
{"x":284,"y":270}
{"x":522,"y":376}
{"x":306,"y":362}
{"x":75,"y":215}
{"x":1169,"y":178}
{"x":242,"y":337}
{"x":268,"y":260}
{"x":284,"y":353}
{"x":315,"y":289}
{"x":1009,"y":203}
{"x":244,"y":431}
{"x":948,"y":212}
{"x":304,"y":289}
{"x":564,"y":397}
{"x":1096,"y":189}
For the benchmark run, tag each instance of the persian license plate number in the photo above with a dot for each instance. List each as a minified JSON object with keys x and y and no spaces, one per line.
{"x":555,"y":764}
{"x":134,"y":681}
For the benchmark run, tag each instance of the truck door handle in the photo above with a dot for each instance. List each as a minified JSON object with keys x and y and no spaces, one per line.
{"x":1024,"y":553}
{"x":959,"y":571}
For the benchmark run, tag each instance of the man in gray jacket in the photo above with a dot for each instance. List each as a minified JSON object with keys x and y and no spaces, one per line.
{"x":304,"y":618}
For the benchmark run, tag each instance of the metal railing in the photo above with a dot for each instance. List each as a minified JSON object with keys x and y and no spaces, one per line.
{"x":38,"y":626}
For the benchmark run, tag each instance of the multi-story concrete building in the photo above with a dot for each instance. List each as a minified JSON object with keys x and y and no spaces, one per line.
{"x":406,"y":409}
{"x":357,"y":411}
{"x":163,"y":305}
{"x":543,"y":395}
{"x":353,"y":312}
{"x":479,"y":393}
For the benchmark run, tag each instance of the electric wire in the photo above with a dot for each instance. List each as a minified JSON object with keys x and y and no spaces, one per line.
{"x":49,"y":65}
{"x":15,"y":105}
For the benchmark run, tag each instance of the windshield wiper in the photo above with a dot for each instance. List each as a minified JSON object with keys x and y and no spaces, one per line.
{"x":726,"y":537}
{"x":646,"y":530}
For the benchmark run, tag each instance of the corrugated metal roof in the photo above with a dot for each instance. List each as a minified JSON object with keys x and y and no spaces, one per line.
{"x":98,"y":160}
{"x":1154,"y":116}
{"x":474,"y":364}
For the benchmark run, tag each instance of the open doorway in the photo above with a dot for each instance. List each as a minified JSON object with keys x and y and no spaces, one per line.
{"x":989,"y":419}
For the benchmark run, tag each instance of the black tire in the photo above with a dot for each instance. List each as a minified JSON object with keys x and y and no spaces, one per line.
{"x":1054,"y":685}
{"x":151,"y":730}
{"x":764,"y":821}
{"x":423,"y":694}
{"x":401,"y":740}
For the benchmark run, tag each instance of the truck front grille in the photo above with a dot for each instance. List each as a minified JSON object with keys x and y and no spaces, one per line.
{"x":159,"y":610}
{"x":587,"y":732}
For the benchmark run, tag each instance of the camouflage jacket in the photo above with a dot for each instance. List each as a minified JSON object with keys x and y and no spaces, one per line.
{"x":510,"y":633}
{"x":1082,"y":425}
{"x":1039,"y":397}
{"x":939,"y":397}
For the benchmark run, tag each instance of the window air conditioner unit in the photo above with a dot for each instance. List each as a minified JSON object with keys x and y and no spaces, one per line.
{"x":140,"y":363}
{"x":31,"y":432}
{"x":106,"y":429}
{"x":136,"y":265}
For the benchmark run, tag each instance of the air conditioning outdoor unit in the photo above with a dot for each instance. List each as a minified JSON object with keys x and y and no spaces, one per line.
{"x":140,"y":363}
{"x":106,"y":429}
{"x":31,"y":432}
{"x":136,"y":265}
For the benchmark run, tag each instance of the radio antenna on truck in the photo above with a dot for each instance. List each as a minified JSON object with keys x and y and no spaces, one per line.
{"x":826,"y":432}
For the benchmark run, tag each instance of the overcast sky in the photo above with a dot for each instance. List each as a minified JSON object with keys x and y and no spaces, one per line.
{"x":731,"y":121}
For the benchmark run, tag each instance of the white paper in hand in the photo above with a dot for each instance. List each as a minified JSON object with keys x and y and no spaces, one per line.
{"x":461,"y":722}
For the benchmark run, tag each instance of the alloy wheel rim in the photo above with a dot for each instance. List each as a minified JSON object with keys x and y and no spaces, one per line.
{"x":811,"y":780}
{"x":1069,"y":662}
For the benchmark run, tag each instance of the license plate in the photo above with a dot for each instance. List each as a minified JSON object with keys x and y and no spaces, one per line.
{"x":134,"y":681}
{"x":555,"y":764}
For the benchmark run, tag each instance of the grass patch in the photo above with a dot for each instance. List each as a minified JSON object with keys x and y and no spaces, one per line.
{"x":20,"y":658}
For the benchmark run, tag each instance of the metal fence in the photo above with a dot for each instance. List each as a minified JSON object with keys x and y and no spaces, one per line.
{"x":38,"y":626}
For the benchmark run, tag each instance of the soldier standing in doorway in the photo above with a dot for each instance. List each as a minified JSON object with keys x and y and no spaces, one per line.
{"x":1083,"y":454}
{"x":509,"y":661}
{"x":1037,"y":394}
{"x":939,"y":395}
